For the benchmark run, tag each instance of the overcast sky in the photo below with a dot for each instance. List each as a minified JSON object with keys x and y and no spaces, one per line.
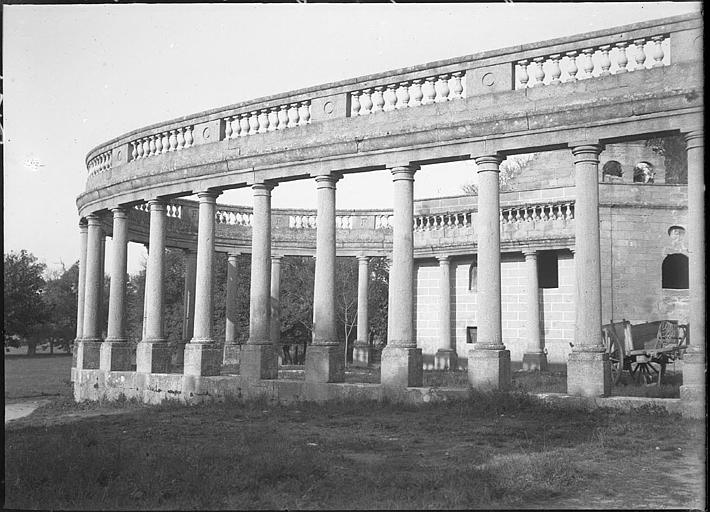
{"x":76,"y":76}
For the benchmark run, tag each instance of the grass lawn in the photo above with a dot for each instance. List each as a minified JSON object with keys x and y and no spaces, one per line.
{"x":491,"y":451}
{"x":35,"y":376}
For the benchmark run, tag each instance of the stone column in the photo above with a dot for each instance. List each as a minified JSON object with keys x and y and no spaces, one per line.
{"x":116,"y":353}
{"x":324,"y":358}
{"x":202,"y":355}
{"x":588,"y":369}
{"x":153,"y":352}
{"x":102,"y":273}
{"x":232,"y":348}
{"x":534,"y":357}
{"x":401,"y":359}
{"x":83,"y":234}
{"x":692,"y":392}
{"x":258,"y":355}
{"x":89,"y":356}
{"x":275,"y":329}
{"x":445,"y":357}
{"x":361,"y":348}
{"x":489,"y":361}
{"x":188,"y":304}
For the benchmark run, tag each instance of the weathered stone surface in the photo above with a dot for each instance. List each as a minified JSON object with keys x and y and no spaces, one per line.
{"x":401,"y":367}
{"x":489,"y":369}
{"x":535,"y":361}
{"x":258,"y":362}
{"x":116,"y":356}
{"x":202,"y":359}
{"x":153,"y":357}
{"x":89,"y":355}
{"x":588,"y":374}
{"x":232,"y":353}
{"x":325,"y":363}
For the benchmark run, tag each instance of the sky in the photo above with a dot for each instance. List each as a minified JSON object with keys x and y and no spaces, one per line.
{"x":75,"y":76}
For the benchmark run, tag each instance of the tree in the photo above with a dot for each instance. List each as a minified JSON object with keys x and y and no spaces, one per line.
{"x":346,"y":283}
{"x":378,"y":299}
{"x":675,"y":158}
{"x":60,"y":300}
{"x":22,"y":294}
{"x":510,"y":168}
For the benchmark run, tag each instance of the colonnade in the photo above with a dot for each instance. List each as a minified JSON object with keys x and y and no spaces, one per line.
{"x":488,"y":361}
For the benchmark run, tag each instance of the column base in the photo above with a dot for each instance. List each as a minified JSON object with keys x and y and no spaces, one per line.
{"x":258,"y":362}
{"x":692,"y":392}
{"x":446,"y":359}
{"x":588,"y":374}
{"x":202,"y":359}
{"x":401,"y":367}
{"x":88,"y":355}
{"x":232,"y":353}
{"x":535,"y":361}
{"x":153,"y":357}
{"x":116,"y":356}
{"x":489,"y":369}
{"x":361,"y":354}
{"x":325,"y":363}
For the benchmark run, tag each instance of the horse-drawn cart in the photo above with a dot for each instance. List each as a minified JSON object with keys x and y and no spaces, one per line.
{"x":644,"y":350}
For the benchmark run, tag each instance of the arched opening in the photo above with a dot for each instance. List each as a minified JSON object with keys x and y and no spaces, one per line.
{"x":674,"y":272}
{"x":611,"y":168}
{"x":644,"y":173}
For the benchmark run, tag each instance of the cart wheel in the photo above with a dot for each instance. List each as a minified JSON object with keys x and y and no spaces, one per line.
{"x":646,"y":371}
{"x":616,"y":357}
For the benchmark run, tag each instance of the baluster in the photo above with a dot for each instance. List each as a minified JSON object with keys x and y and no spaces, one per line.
{"x":539,"y":71}
{"x":555,"y":70}
{"x":403,"y":95}
{"x":523,"y":76}
{"x":354,"y":104}
{"x":560,"y":213}
{"x":518,"y":217}
{"x":417,"y":93}
{"x":263,"y":119}
{"x":152,"y":146}
{"x":568,"y":212}
{"x":273,"y":118}
{"x":228,"y":128}
{"x":502,"y":218}
{"x":166,"y":142}
{"x":539,"y":211}
{"x":283,"y":117}
{"x":146,"y":147}
{"x":304,"y":112}
{"x":377,"y":100}
{"x":253,"y":122}
{"x":587,"y":63}
{"x":429,"y":91}
{"x":443,"y":88}
{"x":621,"y":59}
{"x":244,"y":125}
{"x":456,"y":86}
{"x":236,"y":126}
{"x":456,"y":220}
{"x":366,"y":102}
{"x":158,"y":144}
{"x":134,"y":150}
{"x":390,"y":97}
{"x":526,"y":216}
{"x":189,"y":139}
{"x":293,"y":116}
{"x":571,"y":211}
{"x":572,"y":68}
{"x":139,"y":148}
{"x":639,"y":54}
{"x":173,"y":140}
{"x":604,"y":60}
{"x":181,"y":138}
{"x":657,"y":52}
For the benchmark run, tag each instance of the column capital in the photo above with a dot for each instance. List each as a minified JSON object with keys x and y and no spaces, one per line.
{"x":231,"y":256}
{"x":403,"y":172}
{"x":585,"y":151}
{"x":443,"y":259}
{"x":83,"y":225}
{"x":119,"y":212}
{"x":208,"y":196}
{"x":263,"y":189}
{"x":157,"y":205}
{"x":488,"y":162}
{"x":93,"y":219}
{"x":694,"y":138}
{"x":327,"y":180}
{"x":530,"y":253}
{"x":363,"y":260}
{"x":276,"y":258}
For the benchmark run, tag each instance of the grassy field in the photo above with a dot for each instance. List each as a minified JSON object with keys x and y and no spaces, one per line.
{"x":35,"y":376}
{"x":492,"y":451}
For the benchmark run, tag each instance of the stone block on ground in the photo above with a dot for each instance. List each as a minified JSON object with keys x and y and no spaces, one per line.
{"x":588,"y":374}
{"x":202,"y":359}
{"x":325,"y":363}
{"x":489,"y":369}
{"x":116,"y":356}
{"x":401,"y":367}
{"x":153,"y":357}
{"x":258,"y":362}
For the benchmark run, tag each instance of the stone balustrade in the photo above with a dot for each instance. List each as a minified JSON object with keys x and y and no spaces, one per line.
{"x":585,"y":62}
{"x":172,"y":210}
{"x":241,"y":217}
{"x":442,"y":220}
{"x":289,"y":115}
{"x":163,"y":142}
{"x":99,"y":163}
{"x":537,"y":212}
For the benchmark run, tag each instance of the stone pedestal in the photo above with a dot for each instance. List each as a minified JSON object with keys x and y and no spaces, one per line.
{"x":153,"y":357}
{"x":325,"y":363}
{"x":692,"y":392}
{"x":89,"y":355}
{"x":116,"y":356}
{"x":401,"y":367}
{"x":361,"y":354}
{"x":258,"y":361}
{"x":202,"y":359}
{"x":178,"y":356}
{"x":489,"y":369}
{"x":446,"y":359}
{"x":232,"y":353}
{"x":588,"y":374}
{"x":535,"y":361}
